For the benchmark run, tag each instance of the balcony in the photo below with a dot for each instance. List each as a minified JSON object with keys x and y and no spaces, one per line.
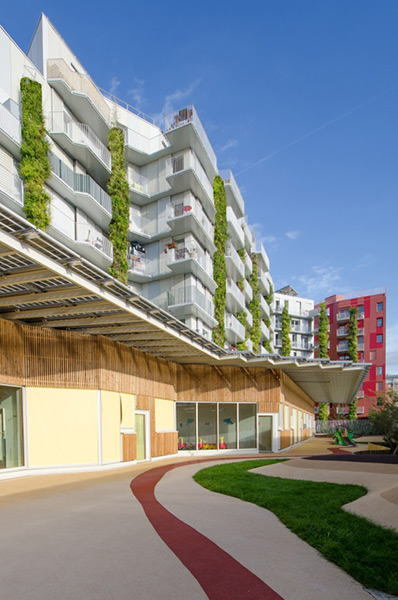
{"x":235,"y":231}
{"x":189,"y":217}
{"x":11,"y":187}
{"x":342,"y":347}
{"x":234,"y":264}
{"x":82,"y":191}
{"x":93,"y":243}
{"x":188,"y":301}
{"x":10,"y":131}
{"x":248,"y":236}
{"x":141,"y":269}
{"x":234,"y":331}
{"x":361,"y":331}
{"x":263,"y":281}
{"x":234,"y":197}
{"x":249,"y":318}
{"x":265,"y":309}
{"x":78,"y":140}
{"x":360,"y":347}
{"x":185,"y":130}
{"x":81,"y":95}
{"x":247,"y":290}
{"x":190,"y":259}
{"x":263,"y":257}
{"x":342,"y":332}
{"x":184,"y":172}
{"x":343,"y":316}
{"x":265,"y":331}
{"x":235,"y":299}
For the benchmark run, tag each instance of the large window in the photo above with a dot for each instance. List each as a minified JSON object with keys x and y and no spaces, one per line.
{"x":216,"y":426}
{"x":11,"y":432}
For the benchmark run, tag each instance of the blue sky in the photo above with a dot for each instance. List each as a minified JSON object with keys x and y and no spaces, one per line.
{"x":298,"y":97}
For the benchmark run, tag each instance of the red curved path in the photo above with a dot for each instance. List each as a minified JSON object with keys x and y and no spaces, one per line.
{"x":219,"y":574}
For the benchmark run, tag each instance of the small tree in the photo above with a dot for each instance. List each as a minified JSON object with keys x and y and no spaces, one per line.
{"x":323,"y":411}
{"x":353,"y":410}
{"x":385,"y":418}
{"x":286,"y":343}
{"x":353,"y":335}
{"x":323,"y":334}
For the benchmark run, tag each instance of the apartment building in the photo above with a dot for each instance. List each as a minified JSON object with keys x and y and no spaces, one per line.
{"x":301,"y":321}
{"x":94,"y":372}
{"x":170,"y":174}
{"x":371,"y":340}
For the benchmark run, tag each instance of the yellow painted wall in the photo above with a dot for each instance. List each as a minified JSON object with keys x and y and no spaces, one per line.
{"x":62,"y":426}
{"x":164,"y":415}
{"x":110,"y":424}
{"x":128,"y":402}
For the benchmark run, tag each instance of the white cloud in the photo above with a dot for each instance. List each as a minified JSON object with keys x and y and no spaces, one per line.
{"x":115,"y":82}
{"x":293,"y":235}
{"x":176,"y":96}
{"x":137,"y":92}
{"x":228,"y":145}
{"x":322,"y":281}
{"x":392,"y":348}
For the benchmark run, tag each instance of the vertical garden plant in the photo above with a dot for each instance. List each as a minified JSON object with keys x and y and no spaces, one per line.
{"x":353,"y":335}
{"x":35,"y":165}
{"x":286,"y":343}
{"x":219,"y":268}
{"x":118,"y":190}
{"x":254,"y":306}
{"x":323,"y":334}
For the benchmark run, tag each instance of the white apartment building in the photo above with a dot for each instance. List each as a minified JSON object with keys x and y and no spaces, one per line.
{"x":301,"y":312}
{"x":170,"y":173}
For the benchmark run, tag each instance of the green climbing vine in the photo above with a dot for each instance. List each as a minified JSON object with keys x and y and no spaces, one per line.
{"x":242,"y":318}
{"x":353,"y":410}
{"x":267,"y":321}
{"x":323,"y":334}
{"x":35,"y":164}
{"x":254,"y":307}
{"x":242,"y":254}
{"x":219,"y":268}
{"x":323,"y":411}
{"x":286,"y":343}
{"x":118,"y":190}
{"x":268,"y":347}
{"x":353,"y":335}
{"x":240,"y":284}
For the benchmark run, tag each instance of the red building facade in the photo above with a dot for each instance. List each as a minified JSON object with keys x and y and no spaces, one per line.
{"x":371,"y":320}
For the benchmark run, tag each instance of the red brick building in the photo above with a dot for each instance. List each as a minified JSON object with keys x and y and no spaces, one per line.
{"x":371,"y":318}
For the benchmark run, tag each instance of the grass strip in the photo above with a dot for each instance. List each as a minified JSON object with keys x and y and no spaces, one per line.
{"x":313,"y":511}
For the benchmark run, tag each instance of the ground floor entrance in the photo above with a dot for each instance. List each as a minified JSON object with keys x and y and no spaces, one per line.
{"x":11,"y":428}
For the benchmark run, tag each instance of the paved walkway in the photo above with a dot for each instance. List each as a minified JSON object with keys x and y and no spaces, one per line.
{"x":66,"y":537}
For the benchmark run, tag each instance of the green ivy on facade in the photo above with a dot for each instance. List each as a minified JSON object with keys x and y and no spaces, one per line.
{"x":286,"y":343}
{"x":242,"y":318}
{"x":353,"y":335}
{"x":270,"y":297}
{"x":118,"y":190}
{"x":219,"y":268}
{"x":254,"y":307}
{"x":35,"y":164}
{"x":323,"y":334}
{"x":353,"y":410}
{"x":323,"y":411}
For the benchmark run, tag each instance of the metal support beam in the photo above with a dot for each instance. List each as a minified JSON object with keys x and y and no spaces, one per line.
{"x":26,"y":276}
{"x":80,"y":308}
{"x":59,"y":293}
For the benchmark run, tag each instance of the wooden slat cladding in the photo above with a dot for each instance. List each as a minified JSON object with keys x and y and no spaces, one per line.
{"x":129,"y":446}
{"x":202,"y":383}
{"x":295,"y":396}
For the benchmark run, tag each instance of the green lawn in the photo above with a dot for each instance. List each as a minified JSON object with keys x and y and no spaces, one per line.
{"x":367,"y":552}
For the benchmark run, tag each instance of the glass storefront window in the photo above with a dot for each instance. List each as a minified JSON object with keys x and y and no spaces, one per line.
{"x":227,"y":426}
{"x":207,"y":426}
{"x":186,"y":425}
{"x":11,"y":433}
{"x":247,"y":426}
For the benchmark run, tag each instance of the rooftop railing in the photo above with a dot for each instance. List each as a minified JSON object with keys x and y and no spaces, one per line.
{"x":185,"y":116}
{"x":57,"y":68}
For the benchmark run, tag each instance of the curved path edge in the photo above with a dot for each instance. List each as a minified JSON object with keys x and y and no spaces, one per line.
{"x":219,"y":574}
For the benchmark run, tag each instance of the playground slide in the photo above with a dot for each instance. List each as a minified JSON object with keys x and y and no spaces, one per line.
{"x":340,"y":440}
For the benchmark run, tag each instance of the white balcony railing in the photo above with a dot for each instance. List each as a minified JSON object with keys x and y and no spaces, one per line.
{"x":57,"y":68}
{"x":87,"y":234}
{"x":234,"y":227}
{"x":233,"y":289}
{"x":10,"y":124}
{"x":265,"y":309}
{"x":342,"y":347}
{"x":11,"y":184}
{"x":188,"y":160}
{"x":230,"y":180}
{"x":190,"y":207}
{"x":232,"y":323}
{"x":190,"y":295}
{"x":248,"y":290}
{"x":343,"y":316}
{"x":185,"y":116}
{"x":80,"y":182}
{"x":232,"y":253}
{"x":265,"y":330}
{"x":79,"y":133}
{"x":183,"y":253}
